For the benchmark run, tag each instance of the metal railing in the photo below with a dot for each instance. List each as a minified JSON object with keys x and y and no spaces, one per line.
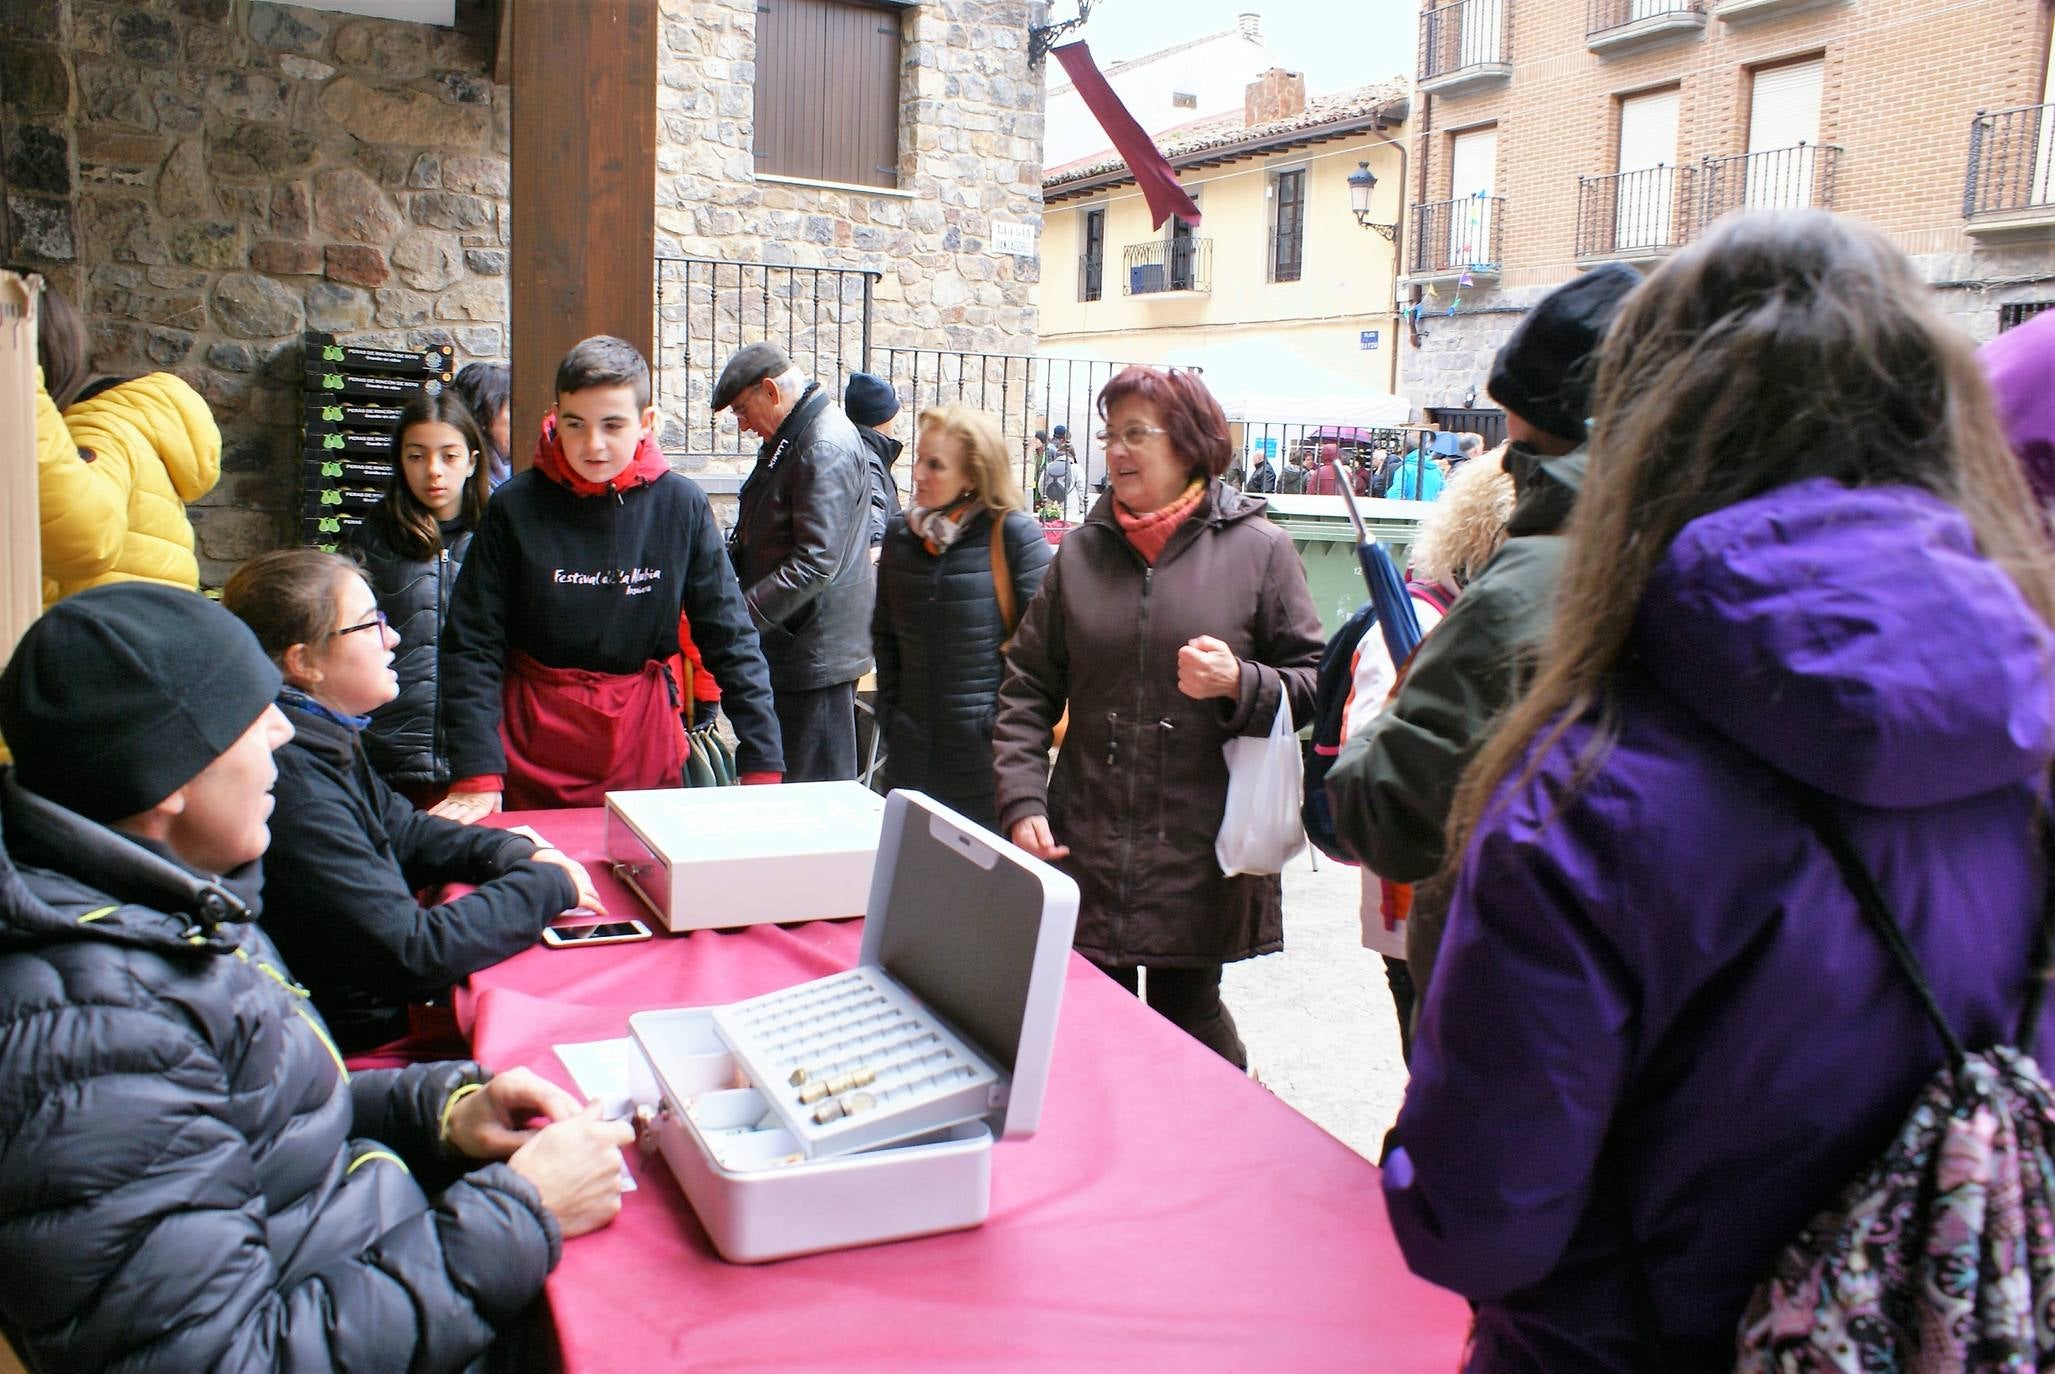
{"x":1091,"y":277}
{"x":1179,"y":264}
{"x":1025,"y":394}
{"x":1775,"y":179}
{"x":1635,"y":211}
{"x":2011,"y":163}
{"x":1602,"y":16}
{"x":1468,"y":33}
{"x":1451,"y":235}
{"x":707,"y":308}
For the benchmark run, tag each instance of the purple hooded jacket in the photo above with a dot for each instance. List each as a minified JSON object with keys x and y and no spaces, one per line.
{"x":2021,"y":365}
{"x":1666,"y":961}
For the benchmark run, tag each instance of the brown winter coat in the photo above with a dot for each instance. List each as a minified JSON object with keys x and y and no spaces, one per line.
{"x":1141,"y":784}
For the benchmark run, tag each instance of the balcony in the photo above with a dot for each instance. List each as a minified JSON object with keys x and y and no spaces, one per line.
{"x":2010,"y":191}
{"x":1749,"y":11}
{"x":1775,"y":179}
{"x":1167,"y":265}
{"x":1453,"y":239}
{"x":1615,"y":27}
{"x":1091,"y":276}
{"x":1635,"y":216}
{"x":1463,"y":47}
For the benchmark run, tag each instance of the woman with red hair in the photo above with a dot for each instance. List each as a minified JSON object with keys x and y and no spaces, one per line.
{"x":1175,"y":618}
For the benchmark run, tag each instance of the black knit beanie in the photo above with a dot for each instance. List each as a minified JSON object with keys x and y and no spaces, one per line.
{"x":119,"y":696}
{"x":869,"y":400}
{"x":1543,"y":373}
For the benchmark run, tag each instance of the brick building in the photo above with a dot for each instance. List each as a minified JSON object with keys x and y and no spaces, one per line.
{"x":1553,"y":134}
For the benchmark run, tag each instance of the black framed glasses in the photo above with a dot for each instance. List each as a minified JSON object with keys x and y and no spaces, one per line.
{"x":376,"y":622}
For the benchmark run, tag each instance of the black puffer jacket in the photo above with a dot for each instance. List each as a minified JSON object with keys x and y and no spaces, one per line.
{"x":802,"y":548}
{"x":405,"y":738}
{"x":884,"y":451}
{"x":348,"y":854}
{"x":936,"y":633}
{"x":188,"y":1179}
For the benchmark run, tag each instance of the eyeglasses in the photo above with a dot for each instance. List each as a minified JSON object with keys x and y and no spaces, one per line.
{"x":1134,"y":436}
{"x":376,"y":622}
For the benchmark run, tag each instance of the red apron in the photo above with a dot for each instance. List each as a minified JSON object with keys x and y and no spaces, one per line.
{"x":573,"y":735}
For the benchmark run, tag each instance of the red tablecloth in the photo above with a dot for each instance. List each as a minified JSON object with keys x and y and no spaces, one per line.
{"x":1169,"y":1214}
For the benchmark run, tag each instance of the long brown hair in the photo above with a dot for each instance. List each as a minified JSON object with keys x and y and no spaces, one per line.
{"x":1782,"y":346}
{"x":64,"y":344}
{"x":410,"y":526}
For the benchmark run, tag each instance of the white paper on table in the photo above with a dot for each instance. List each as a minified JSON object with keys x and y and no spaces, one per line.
{"x":612,"y":1071}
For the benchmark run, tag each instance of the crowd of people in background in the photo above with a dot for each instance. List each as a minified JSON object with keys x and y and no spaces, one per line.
{"x":1737,"y":658}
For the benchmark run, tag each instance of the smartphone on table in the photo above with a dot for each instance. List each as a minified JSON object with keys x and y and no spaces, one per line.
{"x":578,"y":934}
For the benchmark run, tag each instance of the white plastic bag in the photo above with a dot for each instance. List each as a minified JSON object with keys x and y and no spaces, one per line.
{"x":1261,"y":830}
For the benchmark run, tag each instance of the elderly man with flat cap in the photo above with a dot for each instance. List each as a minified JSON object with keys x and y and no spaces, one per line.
{"x":802,"y":554}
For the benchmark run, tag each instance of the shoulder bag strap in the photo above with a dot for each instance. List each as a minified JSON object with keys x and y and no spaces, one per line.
{"x":1002,"y":583}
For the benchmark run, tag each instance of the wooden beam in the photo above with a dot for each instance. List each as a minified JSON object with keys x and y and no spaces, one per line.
{"x":584,"y":188}
{"x":21,"y":557}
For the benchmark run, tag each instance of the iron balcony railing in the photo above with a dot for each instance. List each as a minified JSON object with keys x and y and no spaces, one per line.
{"x":1091,"y":277}
{"x":1468,"y":33}
{"x":1458,"y":235}
{"x":1630,"y":212}
{"x":1775,"y":179}
{"x":2011,"y":163}
{"x":1603,"y":16}
{"x":1178,"y":264}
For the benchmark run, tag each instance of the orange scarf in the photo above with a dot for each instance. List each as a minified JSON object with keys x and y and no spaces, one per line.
{"x":1149,"y":533}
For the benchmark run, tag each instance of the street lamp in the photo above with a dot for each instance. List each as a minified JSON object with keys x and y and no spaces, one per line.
{"x":1362,"y":182}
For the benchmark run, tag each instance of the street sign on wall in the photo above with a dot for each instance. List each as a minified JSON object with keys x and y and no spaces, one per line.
{"x":1369,"y":338}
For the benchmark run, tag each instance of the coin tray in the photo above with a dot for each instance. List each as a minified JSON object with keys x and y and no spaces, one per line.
{"x":792,"y":1043}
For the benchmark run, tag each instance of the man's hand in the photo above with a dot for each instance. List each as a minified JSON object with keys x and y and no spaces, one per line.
{"x":1208,"y":668}
{"x":588,"y":896}
{"x":466,"y":808}
{"x":576,"y":1166}
{"x":1032,"y":834}
{"x":493,"y":1122}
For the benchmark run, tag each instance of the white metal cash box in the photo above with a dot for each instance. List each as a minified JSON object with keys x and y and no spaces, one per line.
{"x":862,"y":1107}
{"x":714,"y":857}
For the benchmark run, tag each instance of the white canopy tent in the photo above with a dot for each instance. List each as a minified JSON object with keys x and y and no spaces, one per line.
{"x":1257,"y":382}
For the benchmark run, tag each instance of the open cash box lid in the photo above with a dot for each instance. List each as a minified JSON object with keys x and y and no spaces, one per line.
{"x":980,"y":931}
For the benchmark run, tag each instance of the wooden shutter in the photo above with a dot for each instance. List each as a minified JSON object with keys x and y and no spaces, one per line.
{"x":827,"y":91}
{"x":1288,"y":234}
{"x":1095,"y":253}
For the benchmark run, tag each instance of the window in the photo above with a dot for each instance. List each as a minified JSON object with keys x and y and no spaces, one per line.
{"x":1183,"y":100}
{"x":1783,"y":114}
{"x":1645,"y":203}
{"x":827,"y":91}
{"x":2019,"y":312}
{"x":1288,"y":225}
{"x":1092,"y":266}
{"x":1183,"y":252}
{"x":1473,"y":168}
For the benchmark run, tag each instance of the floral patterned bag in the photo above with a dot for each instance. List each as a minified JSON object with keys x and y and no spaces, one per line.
{"x":1940,"y":1254}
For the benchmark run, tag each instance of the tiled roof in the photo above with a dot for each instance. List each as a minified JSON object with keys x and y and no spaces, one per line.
{"x":1190,"y":142}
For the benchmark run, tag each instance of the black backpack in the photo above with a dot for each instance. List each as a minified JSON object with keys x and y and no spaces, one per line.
{"x":1331,"y":689}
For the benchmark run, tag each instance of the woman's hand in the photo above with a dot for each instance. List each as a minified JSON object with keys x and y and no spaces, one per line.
{"x":1033,"y":835}
{"x":465,"y":808}
{"x":1208,"y":668}
{"x":492,"y":1123}
{"x":588,"y":896}
{"x":576,"y":1166}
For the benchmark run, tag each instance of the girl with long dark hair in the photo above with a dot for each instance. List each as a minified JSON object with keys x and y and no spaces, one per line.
{"x":1805,"y":571}
{"x":412,"y":548}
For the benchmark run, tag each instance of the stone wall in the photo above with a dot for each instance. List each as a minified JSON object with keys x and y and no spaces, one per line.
{"x":207,"y":178}
{"x":970,"y":155}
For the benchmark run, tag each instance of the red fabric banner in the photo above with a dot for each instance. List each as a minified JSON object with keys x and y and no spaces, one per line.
{"x":1151,"y":171}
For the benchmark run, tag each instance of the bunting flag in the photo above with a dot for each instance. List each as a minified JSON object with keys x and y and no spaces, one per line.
{"x":1151,"y":171}
{"x":1463,"y":280}
{"x":1432,"y":295}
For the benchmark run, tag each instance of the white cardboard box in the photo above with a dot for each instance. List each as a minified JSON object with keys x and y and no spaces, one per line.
{"x":969,"y":934}
{"x":705,"y":858}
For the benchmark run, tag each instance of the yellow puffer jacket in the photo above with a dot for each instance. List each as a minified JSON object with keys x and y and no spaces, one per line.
{"x":156,"y":445}
{"x":81,"y":512}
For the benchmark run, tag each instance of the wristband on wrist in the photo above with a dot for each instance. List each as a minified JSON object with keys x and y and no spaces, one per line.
{"x":449,"y":1105}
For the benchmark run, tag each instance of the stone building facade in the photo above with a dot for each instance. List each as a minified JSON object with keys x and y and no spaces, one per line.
{"x":1883,"y":94}
{"x":208,"y":178}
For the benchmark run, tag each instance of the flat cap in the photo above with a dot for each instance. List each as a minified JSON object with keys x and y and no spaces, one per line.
{"x":750,"y":365}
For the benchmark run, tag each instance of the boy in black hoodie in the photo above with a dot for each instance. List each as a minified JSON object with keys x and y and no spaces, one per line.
{"x":564,"y":625}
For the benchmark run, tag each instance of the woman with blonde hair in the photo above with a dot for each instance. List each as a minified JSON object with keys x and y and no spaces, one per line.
{"x":954,"y":578}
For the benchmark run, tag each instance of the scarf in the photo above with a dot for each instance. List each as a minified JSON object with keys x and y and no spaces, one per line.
{"x":937,"y":528}
{"x":300,"y":701}
{"x":1149,"y":533}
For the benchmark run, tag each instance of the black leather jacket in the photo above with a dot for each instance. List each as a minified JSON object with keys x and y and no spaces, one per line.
{"x":405,"y":738}
{"x":802,"y":548}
